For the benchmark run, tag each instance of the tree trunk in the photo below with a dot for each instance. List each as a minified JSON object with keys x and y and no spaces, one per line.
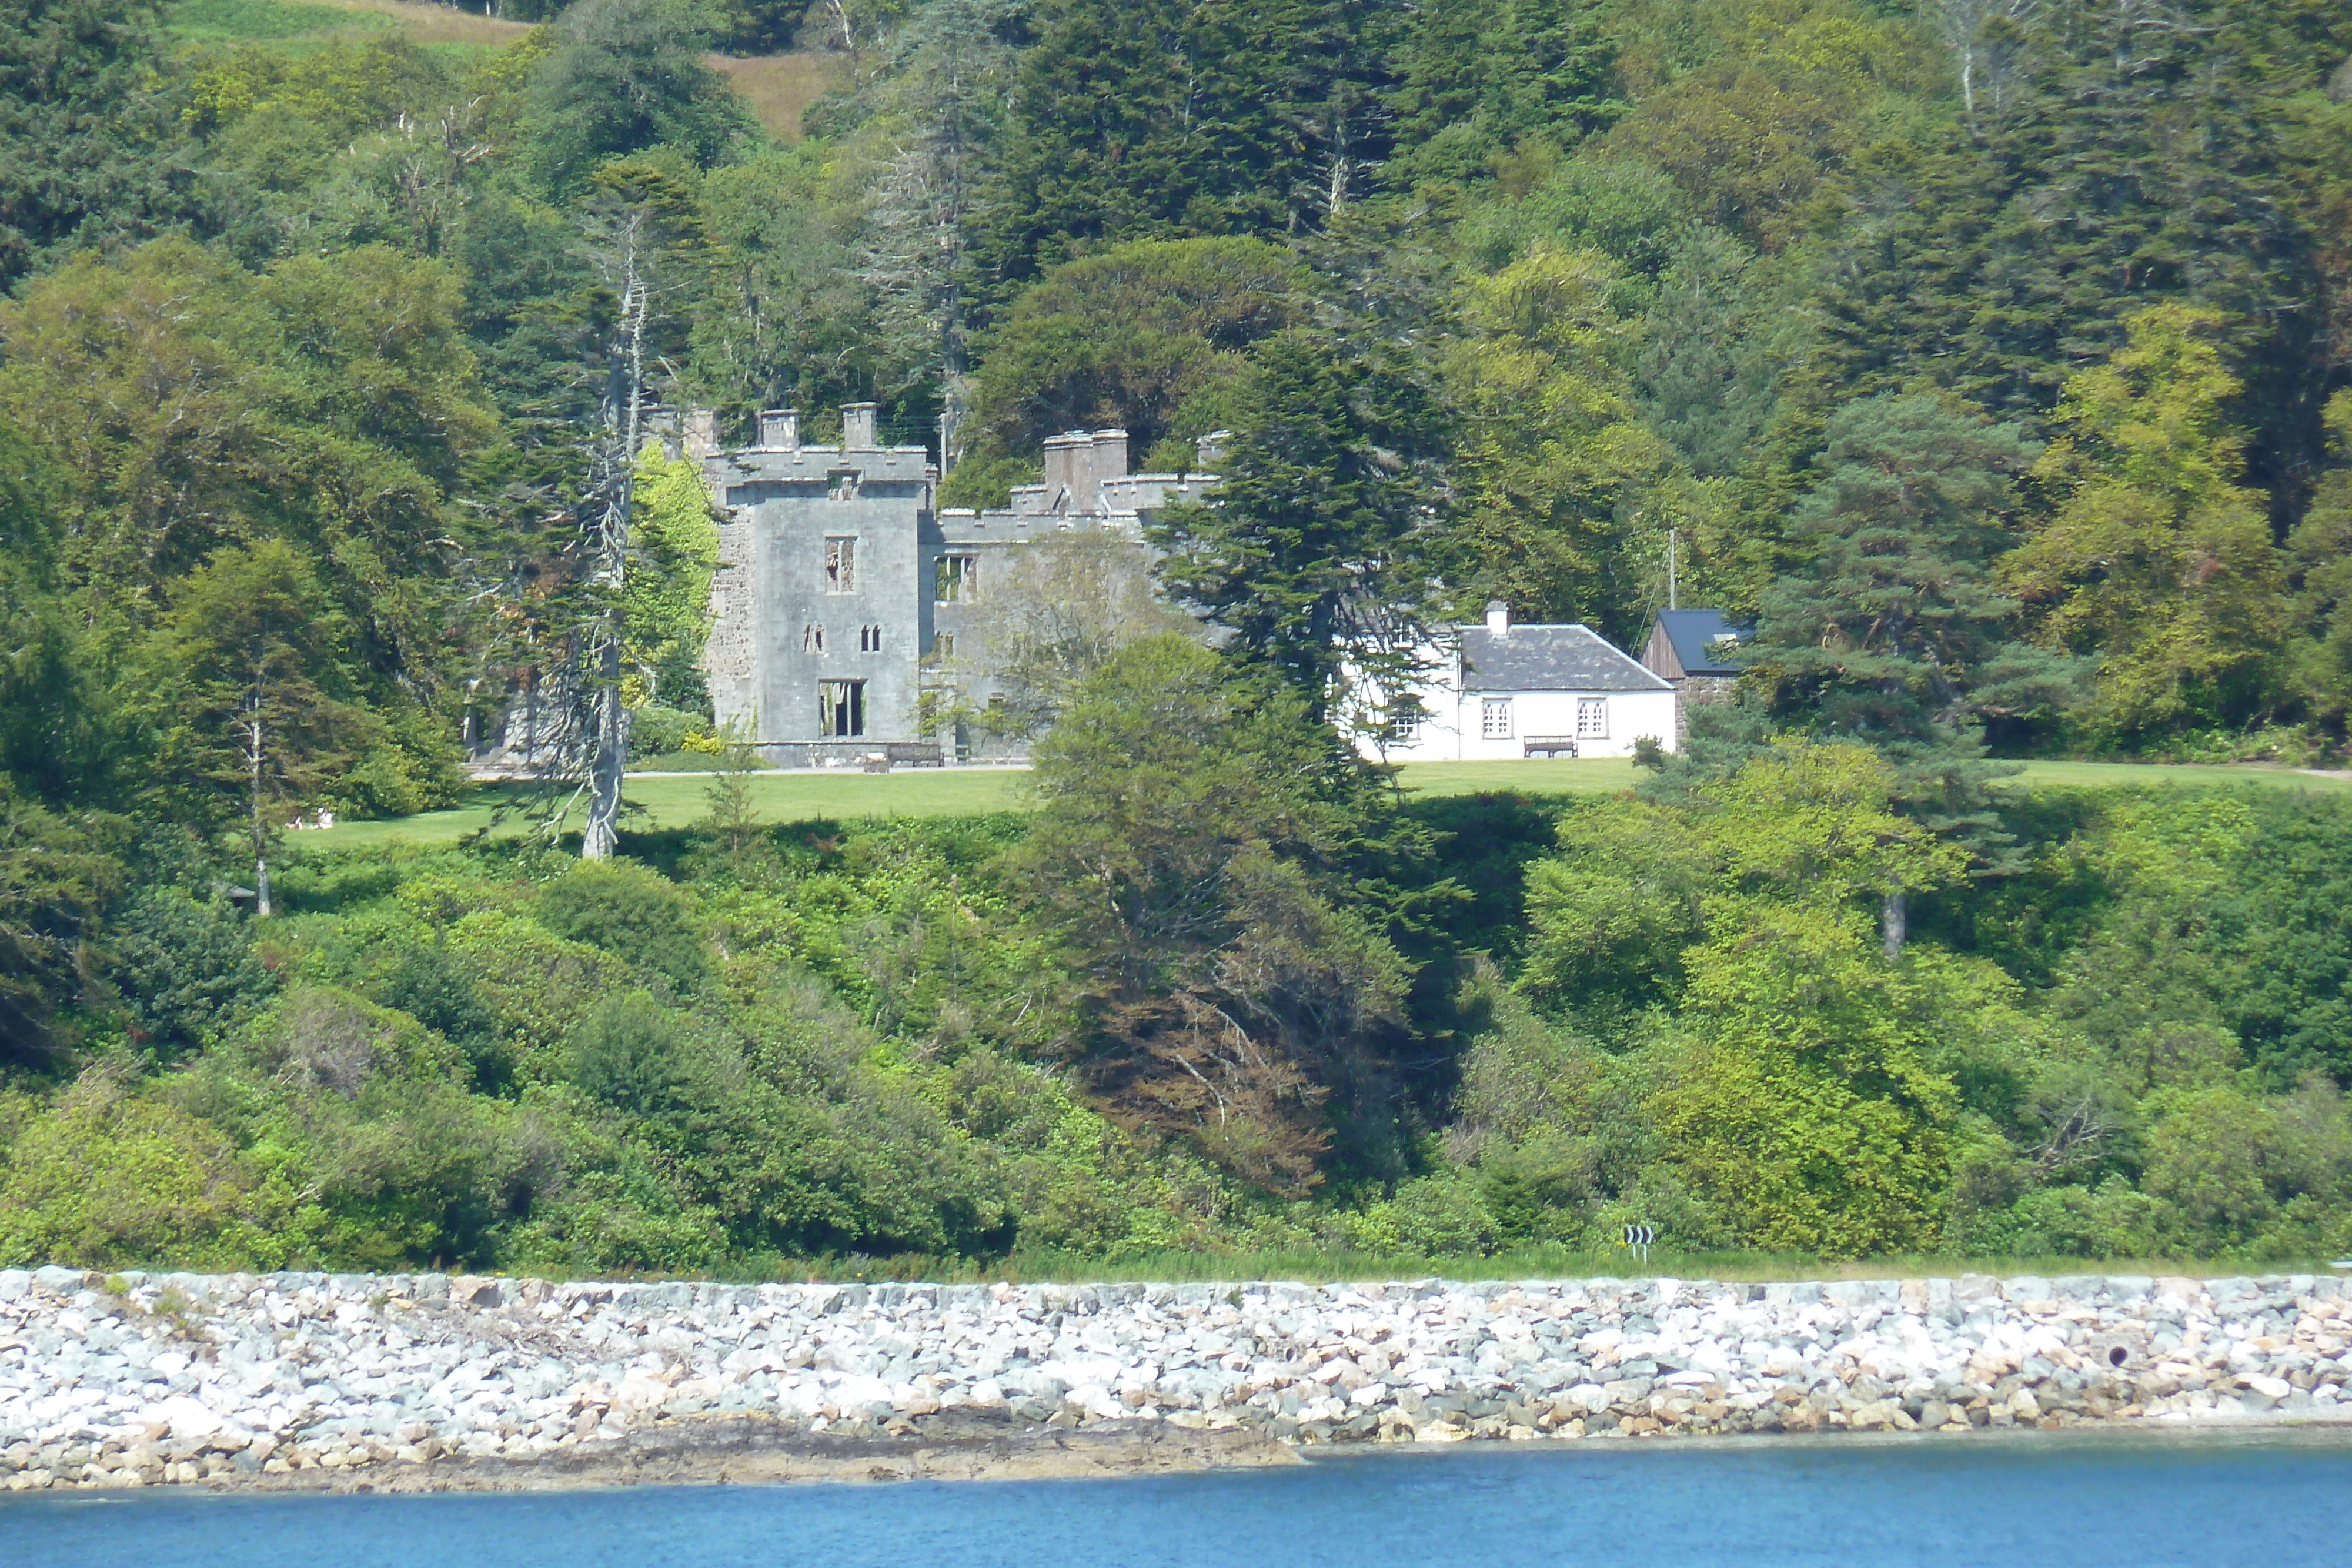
{"x":256,"y":738}
{"x":601,"y":834}
{"x":624,"y":416}
{"x":1894,"y":923}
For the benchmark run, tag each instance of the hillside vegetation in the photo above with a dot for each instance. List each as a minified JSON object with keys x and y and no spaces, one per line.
{"x":1991,"y":357}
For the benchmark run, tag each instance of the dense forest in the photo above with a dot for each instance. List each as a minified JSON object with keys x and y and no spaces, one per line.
{"x":1990,"y":356}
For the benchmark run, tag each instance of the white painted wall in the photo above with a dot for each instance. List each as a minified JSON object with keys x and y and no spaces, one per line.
{"x":1454,"y":730}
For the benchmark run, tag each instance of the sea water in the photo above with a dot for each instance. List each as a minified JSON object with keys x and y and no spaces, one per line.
{"x":2280,"y":1502}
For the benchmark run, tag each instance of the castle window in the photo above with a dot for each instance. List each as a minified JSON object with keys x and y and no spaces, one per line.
{"x":942,"y":644}
{"x":869,"y":639}
{"x":958,"y":578}
{"x":841,"y":566}
{"x":841,"y":709}
{"x":812,"y":639}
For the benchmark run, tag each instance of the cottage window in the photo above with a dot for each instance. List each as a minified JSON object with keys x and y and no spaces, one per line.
{"x":841,"y":566}
{"x":1592,"y":718}
{"x":1407,"y":726}
{"x":1495,"y":719}
{"x":841,"y":709}
{"x":958,"y":578}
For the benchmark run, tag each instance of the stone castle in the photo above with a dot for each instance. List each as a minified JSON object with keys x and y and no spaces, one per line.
{"x":842,"y":587}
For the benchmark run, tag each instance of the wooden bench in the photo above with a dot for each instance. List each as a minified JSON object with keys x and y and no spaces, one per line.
{"x":902,"y":754}
{"x":1549,"y":746}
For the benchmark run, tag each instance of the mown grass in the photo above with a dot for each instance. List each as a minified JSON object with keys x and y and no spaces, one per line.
{"x":273,"y":21}
{"x":669,"y":800}
{"x":2051,"y":775}
{"x":658,"y":802}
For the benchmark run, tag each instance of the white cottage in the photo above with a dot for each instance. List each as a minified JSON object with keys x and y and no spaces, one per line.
{"x":1500,"y":690}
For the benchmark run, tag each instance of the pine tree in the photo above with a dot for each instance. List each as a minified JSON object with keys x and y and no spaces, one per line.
{"x":943,"y":118}
{"x":1896,"y":636}
{"x":1307,"y":552}
{"x":90,"y":153}
{"x":2122,"y":157}
{"x":1162,"y":119}
{"x":1484,"y":77}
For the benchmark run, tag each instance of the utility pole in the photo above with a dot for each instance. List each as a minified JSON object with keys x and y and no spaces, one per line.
{"x":1672,"y":596}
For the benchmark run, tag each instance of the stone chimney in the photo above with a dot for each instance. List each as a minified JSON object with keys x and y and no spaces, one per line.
{"x":1499,"y":617}
{"x":1067,"y":466}
{"x":1209,"y":451}
{"x":701,"y":438}
{"x":781,"y":427}
{"x":857,"y":427}
{"x":1111,"y":461}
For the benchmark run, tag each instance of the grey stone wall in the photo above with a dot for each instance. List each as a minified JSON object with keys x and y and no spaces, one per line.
{"x":783,"y":627}
{"x":779,"y":630}
{"x":1697,"y":692}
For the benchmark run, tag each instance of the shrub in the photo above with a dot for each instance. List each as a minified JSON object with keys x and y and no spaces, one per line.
{"x":629,"y":912}
{"x":186,"y":970}
{"x":108,"y":1177}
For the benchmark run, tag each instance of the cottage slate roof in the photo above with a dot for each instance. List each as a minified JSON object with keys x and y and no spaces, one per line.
{"x":1695,"y":634}
{"x":1549,"y":659}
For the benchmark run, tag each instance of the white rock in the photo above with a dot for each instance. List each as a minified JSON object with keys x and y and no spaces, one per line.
{"x":187,"y":1417}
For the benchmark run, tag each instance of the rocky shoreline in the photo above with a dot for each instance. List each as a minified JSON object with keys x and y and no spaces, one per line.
{"x":419,"y":1381}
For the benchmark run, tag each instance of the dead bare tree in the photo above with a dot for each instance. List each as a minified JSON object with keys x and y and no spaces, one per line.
{"x":605,"y":522}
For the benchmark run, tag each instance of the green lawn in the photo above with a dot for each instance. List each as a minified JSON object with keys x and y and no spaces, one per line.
{"x":2268,"y":776}
{"x":269,"y":21}
{"x":672,"y":800}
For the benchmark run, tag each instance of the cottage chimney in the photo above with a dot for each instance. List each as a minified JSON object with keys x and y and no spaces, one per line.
{"x":857,"y":426}
{"x":781,"y":428}
{"x":1499,"y":617}
{"x":701,"y":432}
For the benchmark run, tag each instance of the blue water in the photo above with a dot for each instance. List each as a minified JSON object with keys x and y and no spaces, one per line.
{"x":2015,"y":1505}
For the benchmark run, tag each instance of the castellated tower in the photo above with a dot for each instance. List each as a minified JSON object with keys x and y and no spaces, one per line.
{"x":842,"y":590}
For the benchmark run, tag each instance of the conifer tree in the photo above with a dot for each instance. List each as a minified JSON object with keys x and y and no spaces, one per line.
{"x":1307,"y":552}
{"x":1482,"y":77}
{"x":1162,"y":119}
{"x":89,"y":152}
{"x":2123,"y":160}
{"x":1897,"y":636}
